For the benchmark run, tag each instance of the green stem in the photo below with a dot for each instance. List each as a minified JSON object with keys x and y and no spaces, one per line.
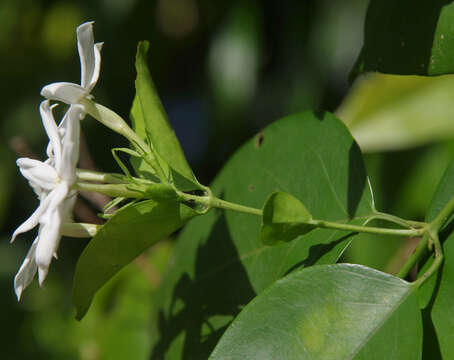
{"x":222,"y":204}
{"x":212,"y":201}
{"x":438,"y":259}
{"x":396,"y":220}
{"x":422,"y":248}
{"x":79,"y":230}
{"x":417,"y":254}
{"x":366,"y":229}
{"x":113,"y":190}
{"x":443,"y":215}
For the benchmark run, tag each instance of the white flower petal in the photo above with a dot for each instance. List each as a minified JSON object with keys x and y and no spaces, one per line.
{"x":38,"y":173}
{"x":68,"y":206}
{"x":97,"y":69}
{"x":51,"y":130}
{"x":85,"y":44}
{"x":70,"y":156}
{"x":27,"y":163}
{"x":49,"y":231}
{"x":33,"y":220}
{"x":26,"y":272}
{"x":42,"y":274}
{"x":69,"y":93}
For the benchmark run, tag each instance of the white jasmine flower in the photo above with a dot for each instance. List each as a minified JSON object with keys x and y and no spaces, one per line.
{"x":51,"y":180}
{"x":90,"y":66}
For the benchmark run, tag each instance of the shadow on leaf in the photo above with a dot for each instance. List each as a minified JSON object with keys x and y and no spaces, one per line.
{"x":214,"y":296}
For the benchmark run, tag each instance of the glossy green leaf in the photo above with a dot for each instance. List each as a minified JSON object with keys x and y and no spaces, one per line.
{"x":284,"y":219}
{"x":442,"y":309}
{"x":328,"y":312}
{"x":389,"y":112}
{"x":408,"y":37}
{"x":141,"y":167}
{"x":132,"y":230}
{"x":438,"y":291}
{"x":155,"y":122}
{"x":220,"y":264}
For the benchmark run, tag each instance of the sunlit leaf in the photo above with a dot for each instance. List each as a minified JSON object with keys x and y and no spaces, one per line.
{"x":125,"y":236}
{"x":328,"y":312}
{"x":155,"y":122}
{"x":389,"y":112}
{"x":141,"y":167}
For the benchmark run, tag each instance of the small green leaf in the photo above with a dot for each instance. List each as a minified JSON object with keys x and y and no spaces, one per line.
{"x":327,"y":312}
{"x":128,"y":233}
{"x":284,"y":219}
{"x":408,"y":37}
{"x":155,"y":124}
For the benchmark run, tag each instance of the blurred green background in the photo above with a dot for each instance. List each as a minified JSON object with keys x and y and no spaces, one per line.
{"x":224,"y":70}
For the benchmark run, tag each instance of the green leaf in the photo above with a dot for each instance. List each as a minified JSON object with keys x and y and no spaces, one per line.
{"x":442,"y":309}
{"x":438,"y":291}
{"x":284,"y":219}
{"x":328,"y":312}
{"x":408,"y":37}
{"x":155,"y":124}
{"x":141,"y":167}
{"x":128,"y":233}
{"x":389,"y":112}
{"x":220,"y":264}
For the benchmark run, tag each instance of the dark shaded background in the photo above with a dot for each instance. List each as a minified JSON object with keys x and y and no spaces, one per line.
{"x":223,"y":69}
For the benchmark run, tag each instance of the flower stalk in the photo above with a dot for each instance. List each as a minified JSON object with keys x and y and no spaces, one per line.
{"x":96,"y":176}
{"x":112,"y":190}
{"x":116,"y":123}
{"x":79,"y":230}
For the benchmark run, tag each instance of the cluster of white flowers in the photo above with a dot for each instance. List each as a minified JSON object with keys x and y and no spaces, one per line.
{"x":52,"y":179}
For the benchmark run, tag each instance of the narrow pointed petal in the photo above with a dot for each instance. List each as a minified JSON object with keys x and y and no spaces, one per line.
{"x":51,"y":130}
{"x":49,"y":231}
{"x":66,"y":92}
{"x":97,"y":69}
{"x":85,"y":44}
{"x":26,"y":272}
{"x":29,"y":224}
{"x":42,"y":274}
{"x":67,"y":169}
{"x":33,"y":220}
